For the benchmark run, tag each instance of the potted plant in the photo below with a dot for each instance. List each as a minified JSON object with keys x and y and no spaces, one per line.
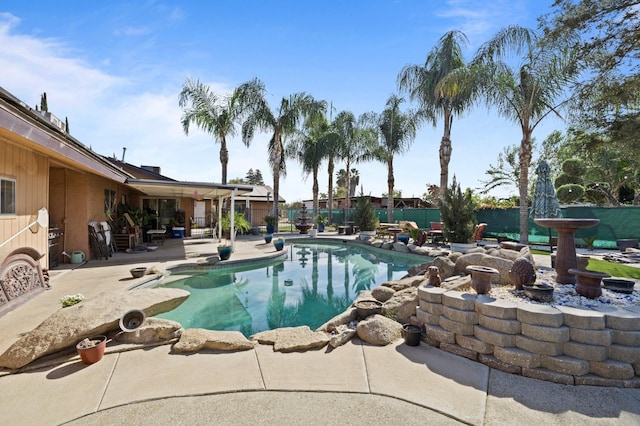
{"x":270,"y":220}
{"x":268,"y":238}
{"x":364,"y":217}
{"x":278,"y":243}
{"x":457,"y":211}
{"x":91,"y":349}
{"x":321,"y":221}
{"x":240,"y":223}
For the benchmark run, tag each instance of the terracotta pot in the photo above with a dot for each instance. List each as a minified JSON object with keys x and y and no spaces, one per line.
{"x":481,"y":277}
{"x":92,"y":354}
{"x":368,"y":307}
{"x":588,"y":283}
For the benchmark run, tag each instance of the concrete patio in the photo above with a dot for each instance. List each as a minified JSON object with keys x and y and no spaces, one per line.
{"x":353,"y":384}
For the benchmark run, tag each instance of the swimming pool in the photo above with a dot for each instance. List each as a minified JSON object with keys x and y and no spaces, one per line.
{"x":312,"y":285}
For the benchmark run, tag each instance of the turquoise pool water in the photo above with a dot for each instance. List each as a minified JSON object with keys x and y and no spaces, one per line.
{"x":312,"y":285}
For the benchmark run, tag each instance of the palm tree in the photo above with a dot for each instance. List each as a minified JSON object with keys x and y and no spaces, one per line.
{"x":307,"y":146}
{"x":283,"y":122}
{"x":215,"y":114}
{"x":355,"y":143}
{"x":354,"y":177}
{"x":398,"y":130}
{"x":525,"y":93}
{"x":424,"y":84}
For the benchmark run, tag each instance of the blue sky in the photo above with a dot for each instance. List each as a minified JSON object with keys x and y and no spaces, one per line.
{"x":115,"y":69}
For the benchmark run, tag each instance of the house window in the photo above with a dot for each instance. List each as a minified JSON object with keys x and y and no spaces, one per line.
{"x":7,"y":196}
{"x":110,"y":201}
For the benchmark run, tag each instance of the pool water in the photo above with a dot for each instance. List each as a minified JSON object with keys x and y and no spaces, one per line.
{"x":312,"y":285}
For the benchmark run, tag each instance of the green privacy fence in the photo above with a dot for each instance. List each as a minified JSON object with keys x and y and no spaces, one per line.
{"x":615,"y":222}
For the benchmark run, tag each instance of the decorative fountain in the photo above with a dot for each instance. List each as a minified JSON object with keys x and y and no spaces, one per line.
{"x":303,"y":225}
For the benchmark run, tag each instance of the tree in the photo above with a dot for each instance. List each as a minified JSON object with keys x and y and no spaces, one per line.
{"x":354,"y":178}
{"x":254,"y":178}
{"x":525,"y":93}
{"x":307,"y":146}
{"x":282,"y":122}
{"x":355,"y":143}
{"x":604,"y":37}
{"x":505,"y":173}
{"x":397,"y":131}
{"x":214,"y":114}
{"x":424,"y":83}
{"x":44,"y":107}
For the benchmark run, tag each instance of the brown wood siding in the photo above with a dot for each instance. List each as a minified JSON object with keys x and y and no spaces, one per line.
{"x":30,"y":170}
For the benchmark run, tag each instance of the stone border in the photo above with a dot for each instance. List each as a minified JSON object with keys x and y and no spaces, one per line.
{"x":557,"y":344}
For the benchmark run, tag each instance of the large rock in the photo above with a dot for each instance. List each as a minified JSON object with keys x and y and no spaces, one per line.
{"x":379,"y":330}
{"x":351,"y":314}
{"x":153,"y":330}
{"x":195,"y":339}
{"x":98,"y":315}
{"x":292,"y":339}
{"x":445,"y":265}
{"x":382,"y":293}
{"x":402,"y":305}
{"x":403,"y":283}
{"x":502,"y":265}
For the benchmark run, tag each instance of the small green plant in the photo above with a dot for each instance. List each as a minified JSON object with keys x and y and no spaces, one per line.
{"x":270,"y":220}
{"x":321,"y":219}
{"x":364,"y":215}
{"x":71,"y":299}
{"x":589,"y":241}
{"x":457,"y":211}
{"x":240,"y":223}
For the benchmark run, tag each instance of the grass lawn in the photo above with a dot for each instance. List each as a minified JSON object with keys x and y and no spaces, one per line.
{"x":612,"y":268}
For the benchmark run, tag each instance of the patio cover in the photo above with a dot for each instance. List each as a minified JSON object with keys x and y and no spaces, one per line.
{"x":196,"y":190}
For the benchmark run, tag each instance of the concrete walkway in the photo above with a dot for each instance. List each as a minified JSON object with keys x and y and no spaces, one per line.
{"x":353,"y":384}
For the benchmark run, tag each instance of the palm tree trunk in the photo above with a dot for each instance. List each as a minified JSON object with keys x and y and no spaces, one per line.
{"x":525,"y":160}
{"x":315,"y":192}
{"x":347,"y":201}
{"x":390,"y":184}
{"x":330,"y":168}
{"x":445,"y":152}
{"x":224,"y":158}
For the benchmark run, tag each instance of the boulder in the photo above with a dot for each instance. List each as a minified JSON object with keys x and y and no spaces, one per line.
{"x":420,"y":269}
{"x":502,"y":265}
{"x":403,"y":283}
{"x":195,"y":339}
{"x":382,"y":293}
{"x":457,"y":282}
{"x":291,"y":339}
{"x":379,"y":330}
{"x":445,"y":265}
{"x":95,"y":316}
{"x":351,"y":314}
{"x":153,"y":330}
{"x":402,"y":305}
{"x":341,"y":335}
{"x":400,"y":247}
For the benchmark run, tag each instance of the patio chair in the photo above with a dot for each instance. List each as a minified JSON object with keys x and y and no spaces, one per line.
{"x":435,"y":232}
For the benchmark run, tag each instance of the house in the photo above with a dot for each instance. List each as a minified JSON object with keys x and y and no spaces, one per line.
{"x":44,"y":169}
{"x":257,"y":204}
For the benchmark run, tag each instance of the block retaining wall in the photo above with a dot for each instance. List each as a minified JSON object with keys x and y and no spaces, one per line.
{"x":558,"y":344}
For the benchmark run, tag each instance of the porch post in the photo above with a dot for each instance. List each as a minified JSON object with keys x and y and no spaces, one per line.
{"x":233,"y":217}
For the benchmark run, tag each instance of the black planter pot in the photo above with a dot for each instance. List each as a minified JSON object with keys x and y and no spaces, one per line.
{"x":411,"y":334}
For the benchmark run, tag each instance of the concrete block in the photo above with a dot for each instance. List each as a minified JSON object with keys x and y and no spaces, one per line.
{"x":431,"y":341}
{"x":456,"y":327}
{"x":591,"y":337}
{"x":619,"y":318}
{"x":426,"y":317}
{"x":632,"y":383}
{"x":546,"y":334}
{"x":508,"y":326}
{"x":467,"y":317}
{"x":591,"y":380}
{"x":538,"y":346}
{"x":474,"y":344}
{"x":582,"y":318}
{"x":611,"y":369}
{"x":496,"y":308}
{"x":438,"y":333}
{"x":494,"y":337}
{"x":459,"y":300}
{"x":628,"y":354}
{"x":431,"y":294}
{"x":494,"y":362}
{"x":548,"y":375}
{"x":517,"y":357}
{"x":626,"y":338}
{"x":432,"y":308}
{"x":545,"y":315}
{"x":586,"y":352}
{"x":457,"y":350}
{"x":565,"y":364}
